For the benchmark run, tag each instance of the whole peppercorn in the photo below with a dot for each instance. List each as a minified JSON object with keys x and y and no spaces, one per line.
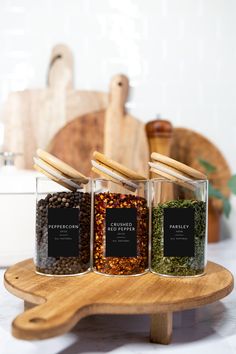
{"x":65,"y":265}
{"x":128,"y":265}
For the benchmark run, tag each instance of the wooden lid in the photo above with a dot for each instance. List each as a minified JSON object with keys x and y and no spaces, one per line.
{"x":53,"y":178}
{"x":167,"y":170}
{"x":160,"y":174}
{"x":174,"y":167}
{"x":115,"y":166}
{"x":115,"y":172}
{"x":56,"y":175}
{"x":113,"y":176}
{"x":61,"y":166}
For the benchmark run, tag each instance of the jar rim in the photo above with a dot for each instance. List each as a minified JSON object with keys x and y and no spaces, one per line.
{"x":137,"y":181}
{"x":191,"y":181}
{"x":41,"y":178}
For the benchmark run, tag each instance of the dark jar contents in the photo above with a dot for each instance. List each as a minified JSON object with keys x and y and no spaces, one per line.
{"x":120,"y":234}
{"x":63,"y":233}
{"x":178,"y":248}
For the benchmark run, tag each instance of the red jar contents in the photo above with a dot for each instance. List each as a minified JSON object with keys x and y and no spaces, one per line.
{"x":120,"y":234}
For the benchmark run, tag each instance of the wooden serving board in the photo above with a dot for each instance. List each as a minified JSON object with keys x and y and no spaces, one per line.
{"x":113,"y":131}
{"x":72,"y":123}
{"x":32,"y":117}
{"x":63,"y":301}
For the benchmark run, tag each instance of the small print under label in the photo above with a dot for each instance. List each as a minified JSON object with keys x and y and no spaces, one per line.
{"x":63,"y":232}
{"x":121,"y":232}
{"x":178,"y":232}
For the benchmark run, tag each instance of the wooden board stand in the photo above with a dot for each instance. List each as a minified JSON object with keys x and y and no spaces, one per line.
{"x":63,"y":301}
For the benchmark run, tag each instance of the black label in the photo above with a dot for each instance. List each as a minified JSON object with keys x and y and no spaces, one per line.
{"x":63,"y":232}
{"x":121,"y":232}
{"x":178,"y":232}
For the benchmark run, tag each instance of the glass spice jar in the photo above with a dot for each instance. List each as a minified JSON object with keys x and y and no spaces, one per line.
{"x":121,"y":227}
{"x":63,"y":224}
{"x":179,"y":227}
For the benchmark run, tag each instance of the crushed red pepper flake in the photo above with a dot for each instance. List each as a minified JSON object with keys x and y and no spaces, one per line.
{"x":120,"y":265}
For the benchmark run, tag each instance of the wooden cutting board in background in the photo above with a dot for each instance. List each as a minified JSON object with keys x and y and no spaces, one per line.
{"x":119,"y":135}
{"x":72,"y":124}
{"x":33,"y":117}
{"x":189,"y":146}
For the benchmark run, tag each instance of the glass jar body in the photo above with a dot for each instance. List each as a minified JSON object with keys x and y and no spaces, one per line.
{"x":121,"y":228}
{"x":179,"y":227}
{"x":63,"y":228}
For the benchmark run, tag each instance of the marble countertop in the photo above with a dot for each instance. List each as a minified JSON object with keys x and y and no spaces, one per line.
{"x":207,"y":329}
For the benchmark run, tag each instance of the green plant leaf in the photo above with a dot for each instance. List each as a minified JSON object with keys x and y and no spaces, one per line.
{"x":209,"y":168}
{"x":214,"y":193}
{"x":226,"y":207}
{"x":232,"y":184}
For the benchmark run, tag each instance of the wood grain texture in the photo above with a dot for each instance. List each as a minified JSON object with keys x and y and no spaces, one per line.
{"x":59,"y":119}
{"x":161,"y":327}
{"x":61,"y":68}
{"x":63,"y":301}
{"x":189,"y":146}
{"x":125,"y":136}
{"x":33,"y":117}
{"x":77,"y":140}
{"x":112,"y":131}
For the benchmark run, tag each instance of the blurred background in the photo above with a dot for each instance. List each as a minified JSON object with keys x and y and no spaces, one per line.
{"x":179,"y":57}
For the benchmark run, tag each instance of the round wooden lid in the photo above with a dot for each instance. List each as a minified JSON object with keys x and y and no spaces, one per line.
{"x":55,"y":175}
{"x":59,"y":181}
{"x":117,"y":167}
{"x":113,"y":175}
{"x":167,"y":177}
{"x":177,"y":166}
{"x":61,"y":166}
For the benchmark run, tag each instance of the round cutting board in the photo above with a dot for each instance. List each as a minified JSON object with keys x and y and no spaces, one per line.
{"x":63,"y":301}
{"x":112,"y":131}
{"x":78,"y":139}
{"x":189,"y":146}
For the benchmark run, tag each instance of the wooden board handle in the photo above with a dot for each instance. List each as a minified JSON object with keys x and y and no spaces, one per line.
{"x":49,"y":319}
{"x":71,"y":298}
{"x":115,"y":115}
{"x":60,"y":72}
{"x":119,"y":89}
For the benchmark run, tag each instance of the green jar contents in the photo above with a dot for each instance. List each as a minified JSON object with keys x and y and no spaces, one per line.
{"x":179,"y":265}
{"x":179,"y":218}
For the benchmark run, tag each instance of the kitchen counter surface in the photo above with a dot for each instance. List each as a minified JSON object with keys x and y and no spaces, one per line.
{"x":207,"y":329}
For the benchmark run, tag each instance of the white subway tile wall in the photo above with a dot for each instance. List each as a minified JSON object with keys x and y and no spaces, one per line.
{"x":180,"y":55}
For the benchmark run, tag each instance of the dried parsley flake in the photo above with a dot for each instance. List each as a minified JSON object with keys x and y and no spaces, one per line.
{"x":179,"y":266}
